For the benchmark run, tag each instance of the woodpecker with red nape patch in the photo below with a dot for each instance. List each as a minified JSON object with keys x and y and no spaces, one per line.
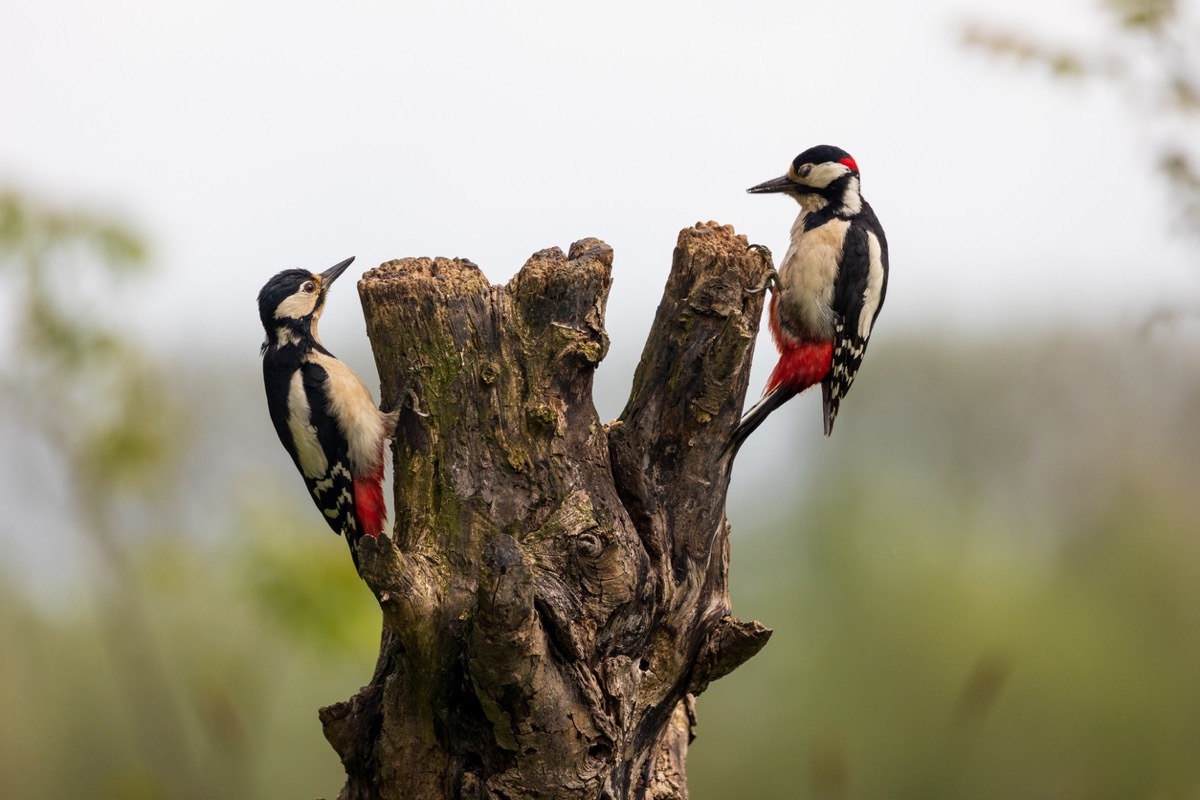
{"x":322,"y":411}
{"x":828,"y":289}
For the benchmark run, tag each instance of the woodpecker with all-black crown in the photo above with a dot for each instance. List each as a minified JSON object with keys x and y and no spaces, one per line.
{"x":828,"y":289}
{"x":322,"y":411}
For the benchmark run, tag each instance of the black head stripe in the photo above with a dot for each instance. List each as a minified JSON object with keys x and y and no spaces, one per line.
{"x":275,"y":291}
{"x":819,"y":155}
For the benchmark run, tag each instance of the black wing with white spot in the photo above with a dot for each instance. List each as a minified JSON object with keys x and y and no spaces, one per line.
{"x":333,"y":492}
{"x":858,"y":297}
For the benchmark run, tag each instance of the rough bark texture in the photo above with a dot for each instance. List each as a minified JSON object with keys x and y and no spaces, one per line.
{"x":554,"y":592}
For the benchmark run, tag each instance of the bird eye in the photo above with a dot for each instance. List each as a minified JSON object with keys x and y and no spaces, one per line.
{"x":309,"y":287}
{"x":803,"y":171}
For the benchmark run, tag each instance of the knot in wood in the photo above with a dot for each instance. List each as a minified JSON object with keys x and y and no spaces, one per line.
{"x":588,"y":546}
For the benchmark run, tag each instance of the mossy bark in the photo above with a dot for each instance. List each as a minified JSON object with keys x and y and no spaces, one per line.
{"x":554,"y":591}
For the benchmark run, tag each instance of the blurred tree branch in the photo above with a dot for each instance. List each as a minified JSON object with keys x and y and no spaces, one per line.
{"x":1154,"y":58}
{"x":95,"y":398}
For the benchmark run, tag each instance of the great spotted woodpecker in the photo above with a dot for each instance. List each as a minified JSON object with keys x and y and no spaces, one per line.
{"x":322,"y":411}
{"x":829,"y":288}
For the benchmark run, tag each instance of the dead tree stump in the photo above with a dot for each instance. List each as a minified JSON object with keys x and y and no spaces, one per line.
{"x":554,"y":593}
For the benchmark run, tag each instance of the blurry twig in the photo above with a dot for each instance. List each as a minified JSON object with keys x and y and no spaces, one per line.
{"x":103,"y":411}
{"x":1154,"y":58}
{"x":1165,"y":316}
{"x":1062,"y":61}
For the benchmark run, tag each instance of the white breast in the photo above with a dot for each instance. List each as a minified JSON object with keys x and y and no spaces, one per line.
{"x":358,"y":419}
{"x":807,"y":276}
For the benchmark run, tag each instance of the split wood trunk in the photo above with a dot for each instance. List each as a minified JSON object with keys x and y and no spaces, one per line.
{"x":555,"y":591}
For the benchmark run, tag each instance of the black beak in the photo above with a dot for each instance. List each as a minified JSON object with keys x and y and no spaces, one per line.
{"x":330,"y":275}
{"x":781,"y":184}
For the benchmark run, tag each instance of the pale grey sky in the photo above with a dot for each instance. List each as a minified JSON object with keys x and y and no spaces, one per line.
{"x":246,"y":137}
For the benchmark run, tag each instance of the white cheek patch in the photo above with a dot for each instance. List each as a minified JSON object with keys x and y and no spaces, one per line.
{"x":824,"y":174}
{"x":874,"y":290}
{"x":297,"y":306}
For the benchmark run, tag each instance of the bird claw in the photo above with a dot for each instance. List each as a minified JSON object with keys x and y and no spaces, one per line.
{"x":414,"y":401}
{"x":770,"y":281}
{"x":416,"y":404}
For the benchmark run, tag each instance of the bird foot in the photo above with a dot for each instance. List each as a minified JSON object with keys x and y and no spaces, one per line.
{"x":416,"y":404}
{"x":769,"y":282}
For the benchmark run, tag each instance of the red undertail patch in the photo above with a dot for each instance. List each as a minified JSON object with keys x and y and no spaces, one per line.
{"x":801,"y":366}
{"x":369,"y":505}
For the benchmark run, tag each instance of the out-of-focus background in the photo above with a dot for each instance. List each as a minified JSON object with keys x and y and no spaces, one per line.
{"x":986,"y":584}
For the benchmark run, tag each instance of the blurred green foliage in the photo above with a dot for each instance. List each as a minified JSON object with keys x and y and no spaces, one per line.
{"x":171,"y":667}
{"x":992,"y":590}
{"x":235,"y":715}
{"x":88,"y":389}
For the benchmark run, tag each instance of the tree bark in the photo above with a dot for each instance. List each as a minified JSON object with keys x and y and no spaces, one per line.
{"x":555,"y":590}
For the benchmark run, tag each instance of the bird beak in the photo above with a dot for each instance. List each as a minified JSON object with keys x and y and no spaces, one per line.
{"x":781,"y":184}
{"x":330,"y":275}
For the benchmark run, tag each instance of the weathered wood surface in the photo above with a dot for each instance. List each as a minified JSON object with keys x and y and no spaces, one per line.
{"x":555,"y":590}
